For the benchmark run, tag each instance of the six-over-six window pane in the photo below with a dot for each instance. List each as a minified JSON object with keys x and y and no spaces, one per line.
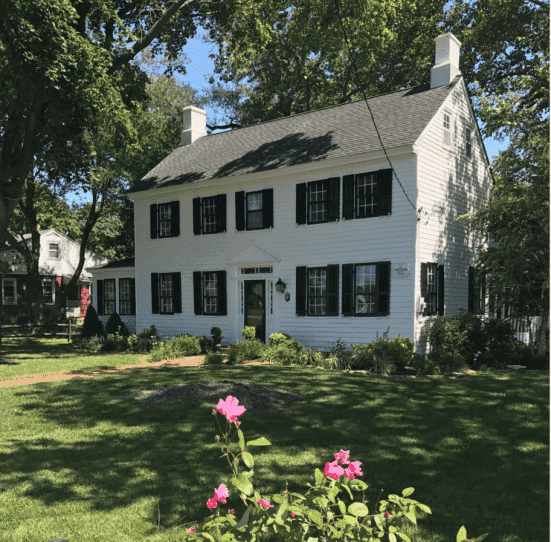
{"x":165,"y":215}
{"x":109,"y":296}
{"x":366,"y":289}
{"x":125,"y":296}
{"x":366,"y":184}
{"x":317,"y":291}
{"x":210,"y":296}
{"x":209,"y":215}
{"x":166,"y":293}
{"x":254,"y":210}
{"x":317,"y":206}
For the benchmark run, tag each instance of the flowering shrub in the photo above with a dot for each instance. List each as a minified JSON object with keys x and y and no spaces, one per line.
{"x":318,"y":514}
{"x":84,"y":300}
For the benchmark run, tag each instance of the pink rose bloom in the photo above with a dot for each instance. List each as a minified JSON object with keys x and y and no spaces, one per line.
{"x":231,"y":511}
{"x":191,"y":530}
{"x":230,"y":408}
{"x":354,"y":467}
{"x":332,"y":470}
{"x":293,"y":514}
{"x":221,"y":493}
{"x":386,"y":514}
{"x":265,"y":503}
{"x":343,"y":456}
{"x":349,"y":474}
{"x":212,"y":503}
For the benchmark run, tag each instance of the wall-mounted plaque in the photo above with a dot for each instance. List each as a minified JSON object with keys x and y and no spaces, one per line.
{"x":400,"y":270}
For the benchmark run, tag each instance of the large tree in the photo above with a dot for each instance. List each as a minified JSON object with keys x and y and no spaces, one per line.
{"x":63,"y":63}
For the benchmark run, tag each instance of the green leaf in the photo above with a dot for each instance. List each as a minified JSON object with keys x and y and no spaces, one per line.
{"x":227,"y":537}
{"x":408,"y":491}
{"x":241,"y":439}
{"x":481,"y":537}
{"x":391,"y":537}
{"x":312,"y":539}
{"x":411,"y":516}
{"x":358,"y":509}
{"x":342,"y":507}
{"x":248,"y":459}
{"x":262,"y":441}
{"x":424,"y":507}
{"x":404,"y":536}
{"x":242,"y":483}
{"x":281,"y":510}
{"x":244,"y":520}
{"x":358,"y":485}
{"x":351,"y":520}
{"x":316,"y":517}
{"x":318,"y":475}
{"x":461,"y":534}
{"x":208,"y":537}
{"x":235,"y":462}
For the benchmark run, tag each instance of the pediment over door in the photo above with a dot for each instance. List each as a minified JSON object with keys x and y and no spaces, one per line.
{"x":254,"y":255}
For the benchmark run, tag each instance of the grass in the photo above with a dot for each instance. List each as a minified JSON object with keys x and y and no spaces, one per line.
{"x":78,"y":462}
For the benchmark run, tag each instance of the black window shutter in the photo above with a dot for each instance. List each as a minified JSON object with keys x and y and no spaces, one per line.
{"x":268,"y":208}
{"x":348,"y":289}
{"x":471,"y":285}
{"x":133,"y":295}
{"x":301,"y":291}
{"x":348,"y":197}
{"x":100,"y":298}
{"x":332,"y":290}
{"x":197,"y":293}
{"x":222,"y":296}
{"x":221,"y":213}
{"x":154,"y":293}
{"x":240,"y":211}
{"x":174,"y":219}
{"x":384,"y":182}
{"x":153,"y":221}
{"x":177,"y":292}
{"x":424,"y":282}
{"x":383,"y":293}
{"x":441,"y":290}
{"x":334,"y":192}
{"x":301,"y":203}
{"x":197,"y":219}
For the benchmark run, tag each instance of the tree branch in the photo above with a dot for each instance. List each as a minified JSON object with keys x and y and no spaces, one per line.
{"x":224,"y":126}
{"x":149,"y":37}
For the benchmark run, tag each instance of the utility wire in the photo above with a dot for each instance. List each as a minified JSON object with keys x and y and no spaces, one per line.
{"x":360,"y":86}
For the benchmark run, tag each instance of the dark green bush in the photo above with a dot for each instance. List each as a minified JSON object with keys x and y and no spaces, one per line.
{"x":311,"y":357}
{"x":245,"y":350}
{"x":451,"y":362}
{"x":206,"y":344}
{"x":284,"y":339}
{"x":214,"y":359}
{"x":425,"y":366}
{"x":115,"y":325}
{"x":249,"y":332}
{"x":399,"y":350}
{"x":148,"y":332}
{"x":280,"y":353}
{"x":383,"y":365}
{"x":185,"y":345}
{"x":92,"y":326}
{"x":500,"y":337}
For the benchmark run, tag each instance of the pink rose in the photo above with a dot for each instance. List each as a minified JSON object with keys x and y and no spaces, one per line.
{"x":293,"y":514}
{"x":191,"y":530}
{"x":212,"y":503}
{"x":342,"y":456}
{"x":332,"y":470}
{"x":354,"y":467}
{"x":221,"y":493}
{"x":231,"y":511}
{"x":264,"y":503}
{"x":230,"y":408}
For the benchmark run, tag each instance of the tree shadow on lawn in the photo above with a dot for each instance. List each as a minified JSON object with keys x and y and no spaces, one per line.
{"x":36,"y":349}
{"x":458,"y":442}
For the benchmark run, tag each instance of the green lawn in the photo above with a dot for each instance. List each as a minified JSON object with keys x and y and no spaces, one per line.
{"x":79,"y":463}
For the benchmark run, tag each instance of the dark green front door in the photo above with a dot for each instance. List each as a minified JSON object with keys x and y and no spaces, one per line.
{"x":255,"y":307}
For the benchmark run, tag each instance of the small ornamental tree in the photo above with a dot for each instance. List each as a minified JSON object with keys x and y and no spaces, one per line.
{"x":115,"y":324}
{"x":92,"y":325}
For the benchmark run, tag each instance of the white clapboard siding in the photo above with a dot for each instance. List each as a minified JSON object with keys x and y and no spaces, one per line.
{"x":450,"y":185}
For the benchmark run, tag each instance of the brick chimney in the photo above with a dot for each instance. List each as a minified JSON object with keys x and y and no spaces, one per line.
{"x":446,"y":66}
{"x":195,"y":124}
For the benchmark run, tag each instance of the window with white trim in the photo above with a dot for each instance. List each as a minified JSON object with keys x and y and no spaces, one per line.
{"x":254,"y":210}
{"x":165,"y":217}
{"x":48,"y":291}
{"x":109,"y":296}
{"x":209,"y":215}
{"x":366,"y":186}
{"x":9,"y":289}
{"x":317,"y":291}
{"x":468,"y":142}
{"x":53,"y":251}
{"x":210,"y":296}
{"x":125,"y":296}
{"x":317,"y":201}
{"x":447,"y":130}
{"x":165,"y":293}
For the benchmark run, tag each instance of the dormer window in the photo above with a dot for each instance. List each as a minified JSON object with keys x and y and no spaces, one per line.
{"x":447,"y":130}
{"x":54,"y":251}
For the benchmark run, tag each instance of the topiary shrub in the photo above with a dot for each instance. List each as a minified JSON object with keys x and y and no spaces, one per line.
{"x":206,"y":344}
{"x":92,"y":326}
{"x":116,"y":325}
{"x":249,"y":332}
{"x":214,"y":359}
{"x":148,"y":332}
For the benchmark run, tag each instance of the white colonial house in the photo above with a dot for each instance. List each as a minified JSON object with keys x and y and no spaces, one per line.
{"x":58,"y":260}
{"x":307,"y":225}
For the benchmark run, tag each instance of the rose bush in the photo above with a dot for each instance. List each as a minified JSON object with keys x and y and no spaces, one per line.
{"x":321,"y":513}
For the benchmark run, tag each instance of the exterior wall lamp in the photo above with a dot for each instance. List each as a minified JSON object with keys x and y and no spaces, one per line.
{"x":280,"y":286}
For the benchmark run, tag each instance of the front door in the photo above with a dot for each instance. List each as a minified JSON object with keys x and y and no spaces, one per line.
{"x":255,"y":307}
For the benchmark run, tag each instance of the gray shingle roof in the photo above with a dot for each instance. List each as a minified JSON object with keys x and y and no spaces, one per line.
{"x":128,"y":262}
{"x":337,"y":131}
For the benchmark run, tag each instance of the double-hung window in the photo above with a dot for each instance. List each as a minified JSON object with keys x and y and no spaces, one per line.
{"x":468,"y":142}
{"x":209,"y":214}
{"x":53,"y":251}
{"x":446,"y":139}
{"x":254,"y":210}
{"x":48,"y":291}
{"x":367,"y":194}
{"x":165,"y":220}
{"x":432,"y":288}
{"x":9,"y":291}
{"x":477,"y":292}
{"x":366,"y":289}
{"x":166,"y":293}
{"x":127,"y":299}
{"x":209,"y":292}
{"x":317,"y":290}
{"x":318,"y":202}
{"x":109,"y":294}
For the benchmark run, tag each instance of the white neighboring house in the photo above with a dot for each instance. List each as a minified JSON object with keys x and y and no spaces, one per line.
{"x":58,"y":260}
{"x":300,"y":225}
{"x":115,"y":290}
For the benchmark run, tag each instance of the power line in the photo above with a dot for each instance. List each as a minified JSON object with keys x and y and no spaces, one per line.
{"x":358,"y":82}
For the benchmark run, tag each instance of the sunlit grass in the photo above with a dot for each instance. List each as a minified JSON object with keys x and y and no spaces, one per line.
{"x":77,"y":461}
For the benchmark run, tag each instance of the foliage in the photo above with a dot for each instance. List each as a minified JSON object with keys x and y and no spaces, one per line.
{"x":423,"y":365}
{"x":313,"y":357}
{"x":382,"y":365}
{"x":92,"y":326}
{"x":214,"y":359}
{"x":245,"y":350}
{"x":284,"y":60}
{"x":451,"y":362}
{"x":216,"y":331}
{"x":115,"y":325}
{"x":284,"y":339}
{"x":446,"y":335}
{"x":399,"y":350}
{"x":206,"y":344}
{"x":149,"y":332}
{"x":327,"y":510}
{"x":280,"y":353}
{"x":249,"y":332}
{"x":182,"y":345}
